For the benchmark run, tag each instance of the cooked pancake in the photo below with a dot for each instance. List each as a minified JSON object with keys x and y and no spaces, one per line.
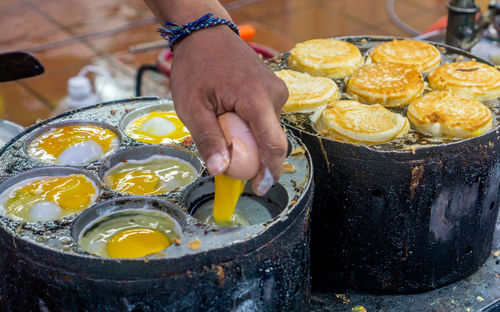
{"x":386,"y":83}
{"x":424,"y":56}
{"x":444,"y":114}
{"x":471,"y":79}
{"x":351,"y":121}
{"x":326,"y":58}
{"x":306,"y":92}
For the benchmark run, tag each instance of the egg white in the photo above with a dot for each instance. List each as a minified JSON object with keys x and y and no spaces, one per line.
{"x":45,"y":211}
{"x":158,"y":126}
{"x":80,"y":153}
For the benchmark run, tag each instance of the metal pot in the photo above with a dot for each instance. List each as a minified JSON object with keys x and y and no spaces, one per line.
{"x":395,"y":220}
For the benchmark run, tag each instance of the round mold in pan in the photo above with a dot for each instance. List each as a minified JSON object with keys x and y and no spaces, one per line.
{"x":54,"y":171}
{"x":40,"y":131}
{"x":143,"y":111}
{"x":131,"y":207}
{"x":198,"y":198}
{"x":145,"y":152}
{"x":139,"y":112}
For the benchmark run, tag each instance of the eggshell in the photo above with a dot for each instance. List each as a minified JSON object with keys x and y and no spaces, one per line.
{"x":245,"y":160}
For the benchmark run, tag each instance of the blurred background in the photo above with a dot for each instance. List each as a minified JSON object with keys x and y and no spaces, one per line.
{"x":120,"y":35}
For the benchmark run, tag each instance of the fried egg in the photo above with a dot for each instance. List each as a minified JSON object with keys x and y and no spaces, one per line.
{"x":130,"y":234}
{"x":445,"y":114}
{"x":326,"y":58}
{"x":307,"y":93}
{"x":73,"y":145}
{"x":353,"y":122}
{"x":422,"y":55}
{"x":48,"y":198}
{"x":471,"y":79}
{"x":155,"y":175}
{"x":157,"y":128}
{"x":388,"y":84}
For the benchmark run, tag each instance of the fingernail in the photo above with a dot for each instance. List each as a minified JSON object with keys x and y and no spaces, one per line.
{"x":217,"y":164}
{"x":265,"y":184}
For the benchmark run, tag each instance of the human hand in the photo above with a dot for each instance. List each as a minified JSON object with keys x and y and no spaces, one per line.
{"x":214,"y":72}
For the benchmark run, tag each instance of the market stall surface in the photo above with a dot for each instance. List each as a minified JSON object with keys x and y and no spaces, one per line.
{"x":477,"y":293}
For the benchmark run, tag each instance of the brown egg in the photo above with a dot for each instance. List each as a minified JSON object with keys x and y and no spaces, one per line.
{"x":245,"y":160}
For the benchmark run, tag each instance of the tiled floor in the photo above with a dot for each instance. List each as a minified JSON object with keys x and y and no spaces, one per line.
{"x":68,"y":34}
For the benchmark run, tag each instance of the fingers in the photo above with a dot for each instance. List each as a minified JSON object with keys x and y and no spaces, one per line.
{"x":206,"y":132}
{"x":228,"y":77}
{"x":272,"y":146}
{"x":278,"y":92}
{"x":271,"y":142}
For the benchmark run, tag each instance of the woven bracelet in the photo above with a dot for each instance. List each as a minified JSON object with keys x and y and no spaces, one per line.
{"x":173,"y":32}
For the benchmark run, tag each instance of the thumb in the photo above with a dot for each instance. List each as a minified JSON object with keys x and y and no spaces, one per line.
{"x":209,"y":139}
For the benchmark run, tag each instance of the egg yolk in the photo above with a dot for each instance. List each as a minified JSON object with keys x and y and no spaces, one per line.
{"x":136,"y":131}
{"x":227,"y":193}
{"x":54,"y":143}
{"x":72,"y":193}
{"x":136,"y":243}
{"x":140,"y":182}
{"x":156,"y":175}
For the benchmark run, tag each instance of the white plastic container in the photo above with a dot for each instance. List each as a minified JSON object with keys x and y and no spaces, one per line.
{"x":80,"y":93}
{"x":8,"y":130}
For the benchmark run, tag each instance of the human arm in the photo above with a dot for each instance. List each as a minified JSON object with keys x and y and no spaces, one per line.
{"x":214,"y":72}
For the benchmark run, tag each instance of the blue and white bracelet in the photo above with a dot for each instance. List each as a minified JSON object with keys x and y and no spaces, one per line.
{"x":173,"y":32}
